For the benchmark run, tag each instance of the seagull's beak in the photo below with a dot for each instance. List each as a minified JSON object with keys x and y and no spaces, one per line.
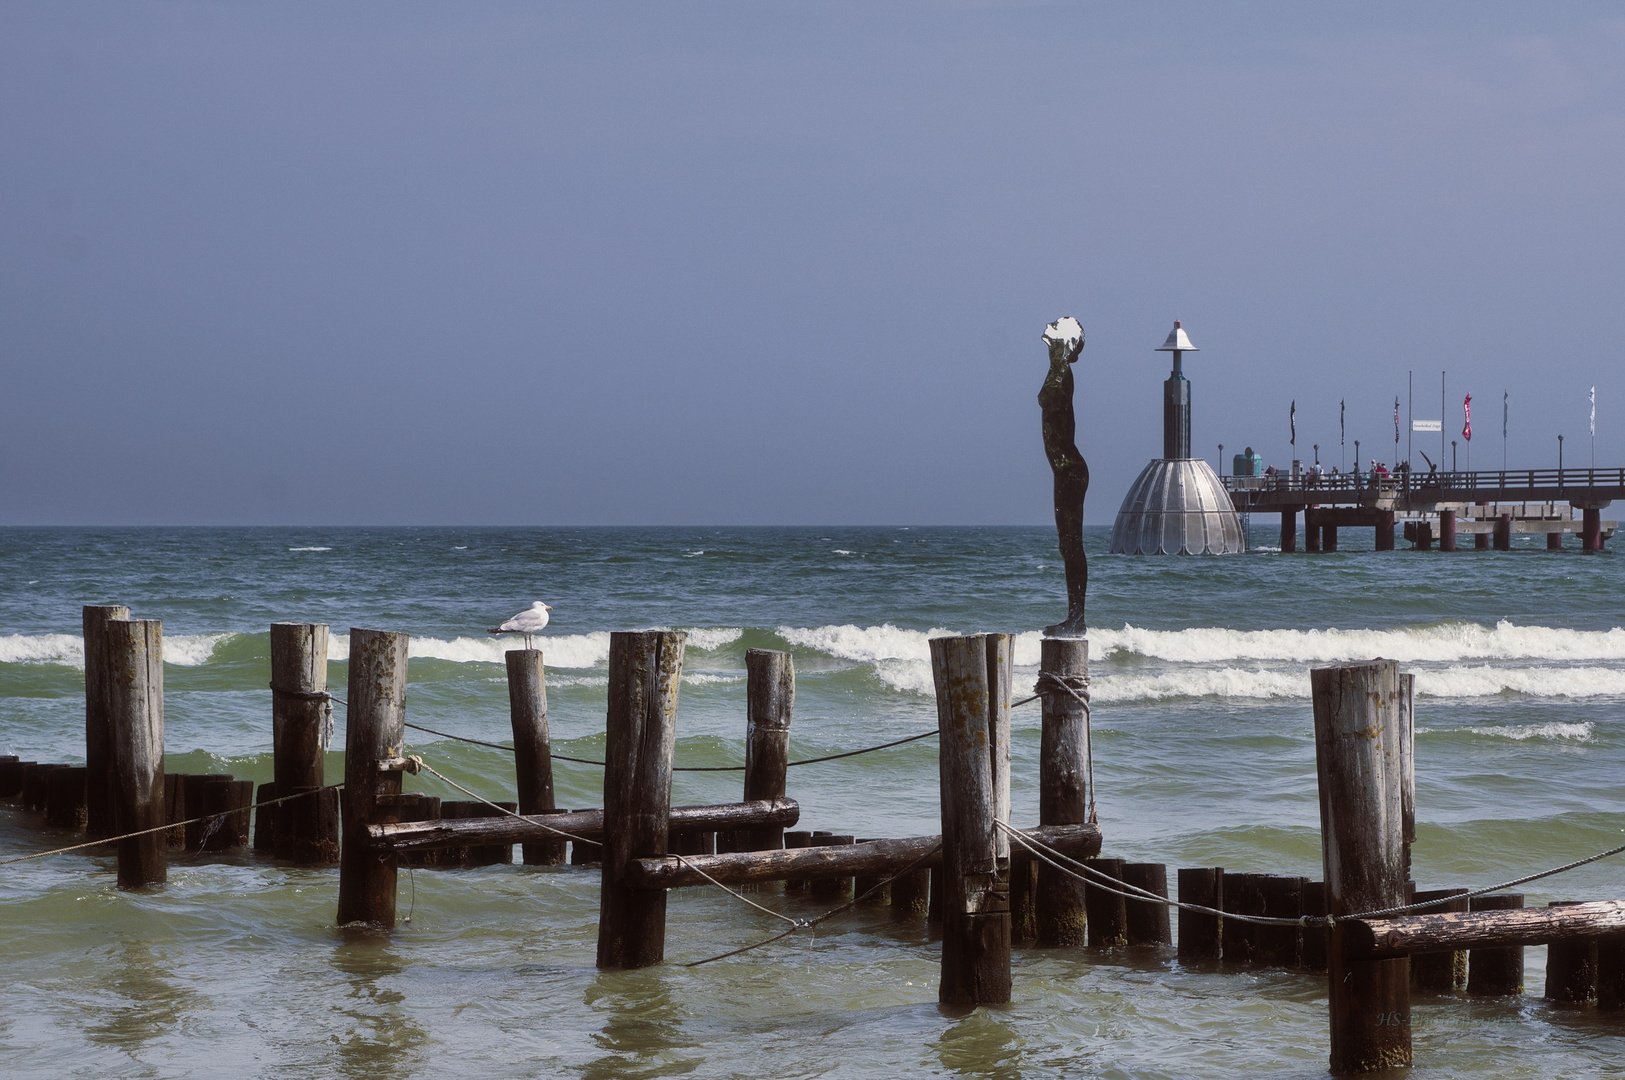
{"x":549,"y":607}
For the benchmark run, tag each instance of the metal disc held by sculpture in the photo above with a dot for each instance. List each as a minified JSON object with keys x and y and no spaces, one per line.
{"x":1064,"y":337}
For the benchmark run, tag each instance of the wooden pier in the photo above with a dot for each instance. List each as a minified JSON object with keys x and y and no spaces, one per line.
{"x":1490,"y":506}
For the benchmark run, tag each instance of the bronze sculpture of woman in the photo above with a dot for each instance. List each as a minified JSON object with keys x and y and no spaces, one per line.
{"x":1065,"y":340}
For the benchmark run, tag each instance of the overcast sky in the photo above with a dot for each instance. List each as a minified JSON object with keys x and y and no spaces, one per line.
{"x":778,"y":263}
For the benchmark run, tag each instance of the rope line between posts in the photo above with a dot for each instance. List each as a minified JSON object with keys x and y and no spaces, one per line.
{"x":1107,"y":883}
{"x":683,"y":768}
{"x":213,"y":818}
{"x":809,"y":924}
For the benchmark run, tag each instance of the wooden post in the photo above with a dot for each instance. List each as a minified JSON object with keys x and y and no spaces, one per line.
{"x":796,"y":839}
{"x":1407,"y":764}
{"x":1289,"y":530}
{"x":973,"y":709}
{"x":532,"y":747}
{"x":65,"y":798}
{"x":910,"y":894}
{"x":1198,"y":931}
{"x":1442,"y":972}
{"x":1611,"y":973}
{"x":1243,"y":895}
{"x":1571,"y":967}
{"x":1554,"y":541}
{"x":1496,"y":971}
{"x":1328,"y":537}
{"x":827,"y":889}
{"x":1147,"y":919}
{"x":1311,"y":531}
{"x":1357,"y":758}
{"x":1591,"y":529}
{"x":1282,"y":946}
{"x":134,"y":684}
{"x":645,"y":668}
{"x":265,"y":819}
{"x":303,"y":832}
{"x":175,"y":809}
{"x":375,"y":730}
{"x":1106,"y":912}
{"x":871,"y":888}
{"x":585,"y":852}
{"x":98,"y":747}
{"x":1316,"y":939}
{"x":1023,"y":902}
{"x":770,"y":698}
{"x":207,"y":793}
{"x":1063,"y":787}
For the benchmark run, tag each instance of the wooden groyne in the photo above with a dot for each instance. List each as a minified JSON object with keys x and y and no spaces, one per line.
{"x":988,"y":886}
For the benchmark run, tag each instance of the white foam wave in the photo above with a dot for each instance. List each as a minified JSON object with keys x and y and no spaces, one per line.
{"x":1439,"y":643}
{"x":707,"y":678}
{"x":558,"y":651}
{"x":311,"y":549}
{"x":711,"y":638}
{"x":1581,"y":731}
{"x":1266,"y":683}
{"x":68,"y":650}
{"x":864,"y":643}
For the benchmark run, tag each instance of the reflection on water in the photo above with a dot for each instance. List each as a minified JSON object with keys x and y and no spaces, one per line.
{"x":641,"y":1029}
{"x":981,"y":1044}
{"x":148,"y":1005}
{"x":380,"y":1039}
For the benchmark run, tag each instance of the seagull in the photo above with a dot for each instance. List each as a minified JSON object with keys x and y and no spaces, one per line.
{"x":530,"y":621}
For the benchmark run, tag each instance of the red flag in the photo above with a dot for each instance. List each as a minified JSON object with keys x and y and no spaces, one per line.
{"x":1467,"y":411}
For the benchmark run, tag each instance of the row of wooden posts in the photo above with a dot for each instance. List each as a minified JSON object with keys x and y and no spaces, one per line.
{"x":988,"y":892}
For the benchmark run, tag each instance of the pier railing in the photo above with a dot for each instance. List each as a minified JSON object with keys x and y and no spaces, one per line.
{"x":1506,"y":485}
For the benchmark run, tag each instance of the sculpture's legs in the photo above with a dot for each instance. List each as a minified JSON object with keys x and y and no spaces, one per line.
{"x":1070,"y":487}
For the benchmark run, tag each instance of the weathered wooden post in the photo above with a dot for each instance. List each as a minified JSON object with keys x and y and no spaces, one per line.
{"x":134,"y":686}
{"x":1571,"y":967}
{"x":1199,"y":933}
{"x":1496,"y":970}
{"x":1063,"y":784}
{"x":375,"y":729}
{"x":770,"y":698}
{"x":305,"y":829}
{"x":1407,"y":763}
{"x":98,"y":749}
{"x":532,"y":747}
{"x":1147,"y":919}
{"x":1357,"y":757}
{"x":645,"y":668}
{"x":973,"y":711}
{"x":1441,"y":972}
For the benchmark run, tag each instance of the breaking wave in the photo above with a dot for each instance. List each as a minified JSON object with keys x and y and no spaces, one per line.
{"x":1580,"y":731}
{"x":68,"y":650}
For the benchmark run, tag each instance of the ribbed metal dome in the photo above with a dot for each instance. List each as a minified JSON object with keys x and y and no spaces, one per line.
{"x":1177,"y":507}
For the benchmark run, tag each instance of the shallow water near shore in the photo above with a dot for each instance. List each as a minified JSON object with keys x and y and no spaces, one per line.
{"x":1203,"y":756}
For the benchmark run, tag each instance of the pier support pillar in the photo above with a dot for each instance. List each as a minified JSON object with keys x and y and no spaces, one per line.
{"x":1591,"y":536}
{"x":1424,"y":536}
{"x":1503,"y":533}
{"x":1447,"y":530}
{"x":1289,"y":531}
{"x":1481,"y":541}
{"x":1385,"y":530}
{"x":1554,"y":541}
{"x":1358,"y":745}
{"x":1311,"y":531}
{"x":1328,"y":538}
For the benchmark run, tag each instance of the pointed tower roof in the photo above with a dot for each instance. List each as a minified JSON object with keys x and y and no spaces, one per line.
{"x":1177,"y":341}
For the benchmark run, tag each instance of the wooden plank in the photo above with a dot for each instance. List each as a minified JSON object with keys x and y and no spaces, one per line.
{"x":1481,"y":929}
{"x":881,"y":857}
{"x":587,"y":824}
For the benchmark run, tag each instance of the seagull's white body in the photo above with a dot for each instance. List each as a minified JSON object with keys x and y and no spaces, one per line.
{"x":533,"y":620}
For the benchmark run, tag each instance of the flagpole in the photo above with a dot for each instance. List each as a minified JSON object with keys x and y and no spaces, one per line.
{"x":1444,"y":407}
{"x":1504,"y":395}
{"x":1410,"y":411}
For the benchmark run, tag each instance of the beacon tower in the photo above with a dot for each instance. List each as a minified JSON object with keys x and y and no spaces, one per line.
{"x":1177,"y":506}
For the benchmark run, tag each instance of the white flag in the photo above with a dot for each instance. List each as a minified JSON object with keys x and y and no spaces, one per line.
{"x":1593,"y":411}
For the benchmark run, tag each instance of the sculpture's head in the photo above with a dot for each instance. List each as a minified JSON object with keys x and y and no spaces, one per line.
{"x":1064,"y":336}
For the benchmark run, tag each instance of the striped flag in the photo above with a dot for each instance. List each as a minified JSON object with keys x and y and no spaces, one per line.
{"x":1467,"y":411}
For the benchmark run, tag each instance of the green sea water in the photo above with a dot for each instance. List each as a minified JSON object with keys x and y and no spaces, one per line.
{"x":1203,"y":756}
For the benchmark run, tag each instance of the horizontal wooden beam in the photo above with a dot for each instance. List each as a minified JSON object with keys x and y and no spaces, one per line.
{"x":1377,"y":938}
{"x":586,"y":824}
{"x":875,"y":858}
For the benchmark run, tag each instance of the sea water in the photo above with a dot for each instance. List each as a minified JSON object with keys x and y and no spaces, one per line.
{"x":1203,"y":757}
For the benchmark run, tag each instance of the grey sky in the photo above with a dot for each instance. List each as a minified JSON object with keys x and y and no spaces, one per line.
{"x":777,"y":263}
